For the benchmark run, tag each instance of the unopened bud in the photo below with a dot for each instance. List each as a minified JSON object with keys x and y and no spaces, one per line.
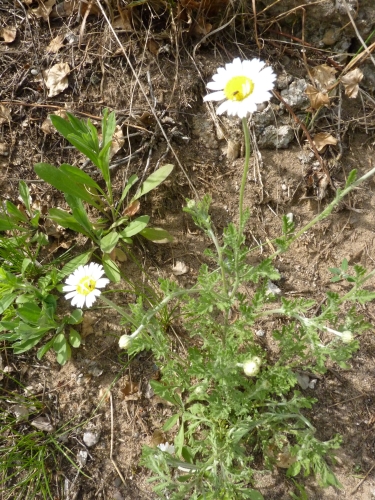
{"x":125,"y":341}
{"x":346,"y":337}
{"x":251,"y":367}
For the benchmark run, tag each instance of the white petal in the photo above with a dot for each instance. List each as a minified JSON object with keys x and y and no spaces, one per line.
{"x":215,"y":96}
{"x":78,"y":301}
{"x":69,"y":288}
{"x":223,"y":107}
{"x":102,"y":282}
{"x":70,"y":295}
{"x":215,"y":85}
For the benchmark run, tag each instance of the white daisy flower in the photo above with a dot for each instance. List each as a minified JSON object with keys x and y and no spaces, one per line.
{"x":243,"y":85}
{"x":166,"y":447}
{"x":83,"y":285}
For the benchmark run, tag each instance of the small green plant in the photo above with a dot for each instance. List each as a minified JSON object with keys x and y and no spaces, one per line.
{"x":29,"y":312}
{"x":113,"y":223}
{"x":29,"y":457}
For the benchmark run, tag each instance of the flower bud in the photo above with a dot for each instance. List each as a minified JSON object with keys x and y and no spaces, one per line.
{"x":251,"y":366}
{"x":125,"y":341}
{"x":346,"y":337}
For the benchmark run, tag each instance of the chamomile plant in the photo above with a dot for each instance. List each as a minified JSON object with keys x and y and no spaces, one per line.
{"x":114,"y":222}
{"x":232,"y":401}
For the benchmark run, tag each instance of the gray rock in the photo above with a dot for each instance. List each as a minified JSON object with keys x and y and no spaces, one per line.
{"x":295,"y":95}
{"x":276,"y":137}
{"x":91,"y":438}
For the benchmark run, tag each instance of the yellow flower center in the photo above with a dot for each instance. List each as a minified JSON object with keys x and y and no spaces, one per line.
{"x":86,"y":285}
{"x":238,"y":88}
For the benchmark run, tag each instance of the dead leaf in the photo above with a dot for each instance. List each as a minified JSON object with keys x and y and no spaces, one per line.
{"x":124,"y":21}
{"x":65,"y":9}
{"x":201,"y":27}
{"x":44,"y":9}
{"x":153,"y":46}
{"x":158,"y":437}
{"x":87,"y":324}
{"x":324,"y":76}
{"x":47,"y":126}
{"x":180,"y":268}
{"x":120,"y":255}
{"x":4,"y":114}
{"x":132,"y":209}
{"x":324,"y":139}
{"x":4,"y":149}
{"x":9,"y":34}
{"x":55,"y":44}
{"x":317,"y":99}
{"x":56,"y":78}
{"x":118,"y":141}
{"x":351,"y":82}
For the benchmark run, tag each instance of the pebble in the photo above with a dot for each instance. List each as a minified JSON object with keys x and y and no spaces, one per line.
{"x":91,"y":438}
{"x":260,"y":333}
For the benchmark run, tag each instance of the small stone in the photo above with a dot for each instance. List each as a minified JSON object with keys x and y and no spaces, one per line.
{"x":20,"y":412}
{"x":272,"y":289}
{"x":43,"y":424}
{"x":284,"y":187}
{"x":260,"y":333}
{"x":276,"y":137}
{"x":34,"y":71}
{"x":303,"y":380}
{"x":233,"y":150}
{"x":91,"y":438}
{"x":82,"y":457}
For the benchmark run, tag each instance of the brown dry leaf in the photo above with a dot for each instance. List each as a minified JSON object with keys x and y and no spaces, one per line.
{"x":55,"y":44}
{"x":158,"y":437}
{"x":201,"y":27}
{"x":118,"y":141}
{"x":153,"y":46}
{"x":351,"y":82}
{"x":317,"y":99}
{"x":4,"y":149}
{"x":64,"y":9}
{"x":9,"y":34}
{"x":324,"y":139}
{"x":47,"y":126}
{"x":56,"y":78}
{"x":180,"y":268}
{"x":132,"y":209}
{"x":124,"y":21}
{"x":44,"y":9}
{"x":120,"y":255}
{"x":324,"y":76}
{"x":4,"y":114}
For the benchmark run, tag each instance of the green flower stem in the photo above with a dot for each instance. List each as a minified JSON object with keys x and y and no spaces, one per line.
{"x":212,"y":235}
{"x":117,"y":308}
{"x":146,"y":318}
{"x":241,"y":222}
{"x":246,"y":133}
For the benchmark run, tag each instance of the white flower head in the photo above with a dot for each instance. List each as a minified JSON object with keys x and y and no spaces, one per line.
{"x":125,"y":341}
{"x":82,"y":285}
{"x":251,"y":367}
{"x":166,"y":447}
{"x":243,"y":85}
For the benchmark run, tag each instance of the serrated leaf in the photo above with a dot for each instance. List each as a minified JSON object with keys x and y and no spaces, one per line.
{"x":179,"y":439}
{"x":66,"y":220}
{"x":111,"y":269}
{"x":154,"y":180}
{"x":79,"y":176}
{"x":109,"y":241}
{"x":157,"y":235}
{"x":74,"y":338}
{"x":135,"y":227}
{"x":61,"y":180}
{"x":72,"y":265}
{"x":171,"y":422}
